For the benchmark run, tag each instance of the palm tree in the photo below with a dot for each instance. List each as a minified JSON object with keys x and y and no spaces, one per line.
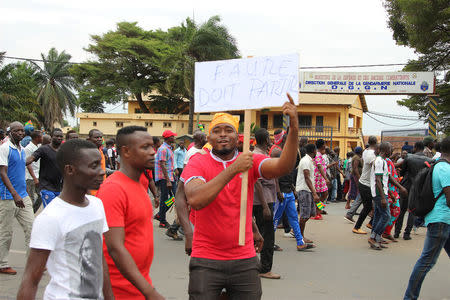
{"x":209,"y":41}
{"x":18,"y":90}
{"x":55,"y":95}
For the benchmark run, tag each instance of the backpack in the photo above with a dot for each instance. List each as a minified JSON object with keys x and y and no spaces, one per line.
{"x":421,"y":198}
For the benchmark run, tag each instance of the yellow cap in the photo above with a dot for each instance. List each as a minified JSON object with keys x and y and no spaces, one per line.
{"x":224,"y":118}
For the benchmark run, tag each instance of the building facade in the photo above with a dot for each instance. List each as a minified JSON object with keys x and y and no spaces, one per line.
{"x":334,"y":118}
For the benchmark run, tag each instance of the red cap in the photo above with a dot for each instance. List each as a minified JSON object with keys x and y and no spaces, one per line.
{"x":167,"y":133}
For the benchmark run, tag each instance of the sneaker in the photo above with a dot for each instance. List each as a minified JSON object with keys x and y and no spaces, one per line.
{"x":173,"y":235}
{"x":180,"y":230}
{"x":358,"y":231}
{"x":350,"y":219}
{"x":277,"y":248}
{"x":305,"y":247}
{"x":270,"y":275}
{"x":8,"y":271}
{"x":287,"y":234}
{"x":156,"y":216}
{"x":396,"y":235}
{"x":406,"y":237}
{"x":164,"y":225}
{"x":318,"y":217}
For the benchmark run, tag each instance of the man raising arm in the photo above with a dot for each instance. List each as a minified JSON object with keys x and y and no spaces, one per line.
{"x":212,"y":186}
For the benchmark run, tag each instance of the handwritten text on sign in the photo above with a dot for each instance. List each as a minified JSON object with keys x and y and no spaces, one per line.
{"x":367,"y":83}
{"x":249,"y":83}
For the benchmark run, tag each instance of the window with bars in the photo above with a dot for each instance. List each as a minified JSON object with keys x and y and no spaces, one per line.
{"x":305,"y":120}
{"x":277,"y":121}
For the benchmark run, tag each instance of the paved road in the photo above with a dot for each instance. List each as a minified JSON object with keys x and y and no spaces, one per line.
{"x":341,"y":267}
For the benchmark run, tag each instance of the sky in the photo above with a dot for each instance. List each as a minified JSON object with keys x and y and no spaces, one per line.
{"x":323,"y":32}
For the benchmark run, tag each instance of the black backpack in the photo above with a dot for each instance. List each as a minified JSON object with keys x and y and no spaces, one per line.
{"x":421,"y":198}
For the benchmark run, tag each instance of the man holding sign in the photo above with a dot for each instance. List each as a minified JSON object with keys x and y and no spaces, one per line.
{"x":213,"y":189}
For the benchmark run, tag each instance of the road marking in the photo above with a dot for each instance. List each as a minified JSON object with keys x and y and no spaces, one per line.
{"x":18,"y":251}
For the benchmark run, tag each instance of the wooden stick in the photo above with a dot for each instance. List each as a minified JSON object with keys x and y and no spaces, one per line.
{"x":244,"y":186}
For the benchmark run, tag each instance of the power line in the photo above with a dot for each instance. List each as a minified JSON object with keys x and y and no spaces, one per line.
{"x":43,"y":60}
{"x":111,"y":109}
{"x":355,"y":66}
{"x":393,"y":116}
{"x":393,"y":125}
{"x":316,"y":67}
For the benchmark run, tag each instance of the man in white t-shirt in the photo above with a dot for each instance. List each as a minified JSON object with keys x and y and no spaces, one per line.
{"x":368,"y":158}
{"x":199,"y":142}
{"x":67,"y":235}
{"x":379,"y":177}
{"x":32,"y":174}
{"x":307,"y":195}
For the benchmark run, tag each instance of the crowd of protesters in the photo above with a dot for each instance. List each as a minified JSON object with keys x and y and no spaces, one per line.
{"x":94,"y":233}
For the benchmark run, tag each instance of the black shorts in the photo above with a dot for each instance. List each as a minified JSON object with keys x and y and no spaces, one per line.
{"x":240,"y":278}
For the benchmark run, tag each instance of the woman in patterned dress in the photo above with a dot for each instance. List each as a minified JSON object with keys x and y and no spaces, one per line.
{"x":394,"y":200}
{"x":321,"y":180}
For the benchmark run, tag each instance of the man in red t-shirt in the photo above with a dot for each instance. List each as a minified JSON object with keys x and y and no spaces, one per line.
{"x":213,"y":189}
{"x":128,"y":246}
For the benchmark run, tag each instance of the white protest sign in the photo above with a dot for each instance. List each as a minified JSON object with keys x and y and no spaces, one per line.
{"x":367,"y":82}
{"x":249,"y":83}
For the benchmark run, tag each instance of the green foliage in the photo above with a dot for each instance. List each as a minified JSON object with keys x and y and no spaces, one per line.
{"x":253,"y":128}
{"x":18,"y":93}
{"x":128,"y":63}
{"x":132,"y":62}
{"x":56,"y":84}
{"x":192,"y":43}
{"x":424,"y":26}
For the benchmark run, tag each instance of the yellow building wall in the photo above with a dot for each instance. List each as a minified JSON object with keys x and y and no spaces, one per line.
{"x":335,"y":116}
{"x":155,"y":123}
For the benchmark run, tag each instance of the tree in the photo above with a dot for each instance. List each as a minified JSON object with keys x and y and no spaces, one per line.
{"x":192,"y":43}
{"x":424,"y":26}
{"x":18,"y":93}
{"x":56,"y":84}
{"x":128,"y":63}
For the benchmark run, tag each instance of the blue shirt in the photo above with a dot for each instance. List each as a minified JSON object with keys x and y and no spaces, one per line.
{"x":440,"y":180}
{"x":180,"y":154}
{"x":14,"y":158}
{"x":25,"y":141}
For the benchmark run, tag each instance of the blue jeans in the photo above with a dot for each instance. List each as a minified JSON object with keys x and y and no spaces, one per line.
{"x":288,"y":205}
{"x":47,"y":196}
{"x":438,"y":237}
{"x":380,"y":220}
{"x":162,"y":184}
{"x":334,"y":190}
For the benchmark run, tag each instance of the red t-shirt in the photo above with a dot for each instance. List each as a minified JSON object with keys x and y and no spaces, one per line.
{"x":144,"y":180}
{"x":216,"y":233}
{"x":128,"y":205}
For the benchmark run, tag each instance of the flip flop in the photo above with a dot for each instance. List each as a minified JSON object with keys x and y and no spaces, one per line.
{"x":308,"y":246}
